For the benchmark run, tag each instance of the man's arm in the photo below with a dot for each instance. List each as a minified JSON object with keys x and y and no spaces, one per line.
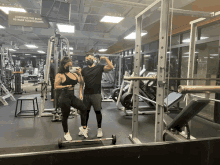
{"x":109,"y":65}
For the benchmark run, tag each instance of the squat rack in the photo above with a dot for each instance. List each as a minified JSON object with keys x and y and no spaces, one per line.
{"x":161,"y":68}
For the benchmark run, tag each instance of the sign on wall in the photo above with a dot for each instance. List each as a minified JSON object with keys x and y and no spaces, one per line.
{"x":27,"y":19}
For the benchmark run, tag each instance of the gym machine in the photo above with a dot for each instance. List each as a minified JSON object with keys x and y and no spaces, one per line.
{"x":59,"y":42}
{"x":147,"y":90}
{"x":108,"y":80}
{"x":5,"y":92}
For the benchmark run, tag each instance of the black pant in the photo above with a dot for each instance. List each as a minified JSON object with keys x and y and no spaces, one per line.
{"x":67,"y":99}
{"x":52,"y":88}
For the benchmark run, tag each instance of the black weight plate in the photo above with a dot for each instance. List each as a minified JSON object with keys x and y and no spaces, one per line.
{"x":126,"y":100}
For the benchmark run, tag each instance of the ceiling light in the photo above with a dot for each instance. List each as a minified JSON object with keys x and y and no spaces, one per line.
{"x":188,"y":39}
{"x":213,"y":54}
{"x":133,"y":35}
{"x":66,"y":28}
{"x":31,"y":46}
{"x":202,"y":38}
{"x":40,"y":51}
{"x":169,"y":52}
{"x":14,"y":55}
{"x":146,"y":55}
{"x":34,"y":56}
{"x":71,"y":52}
{"x":27,"y":54}
{"x":102,"y":50}
{"x":71,"y":48}
{"x":185,"y":56}
{"x":12,"y":50}
{"x":7,"y":9}
{"x":188,"y":52}
{"x":207,"y":57}
{"x":111,"y":19}
{"x":2,"y":27}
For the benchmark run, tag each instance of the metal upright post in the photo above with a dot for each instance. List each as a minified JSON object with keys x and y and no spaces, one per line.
{"x":61,"y":53}
{"x":191,"y":61}
{"x":137,"y":62}
{"x":119,"y":75}
{"x":46,"y":76}
{"x":56,"y":41}
{"x":161,"y":70}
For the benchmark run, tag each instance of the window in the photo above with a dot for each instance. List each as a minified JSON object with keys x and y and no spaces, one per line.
{"x":211,"y":31}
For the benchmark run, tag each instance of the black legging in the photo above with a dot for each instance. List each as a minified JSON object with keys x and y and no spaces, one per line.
{"x":98,"y":118}
{"x":52,"y":88}
{"x":67,"y":99}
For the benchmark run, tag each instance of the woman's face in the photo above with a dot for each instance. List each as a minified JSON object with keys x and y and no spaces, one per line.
{"x":69,"y":64}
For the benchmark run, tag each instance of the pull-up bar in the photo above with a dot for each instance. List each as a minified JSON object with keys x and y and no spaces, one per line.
{"x":198,"y":89}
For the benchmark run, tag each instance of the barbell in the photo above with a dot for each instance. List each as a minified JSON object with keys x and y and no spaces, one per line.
{"x":61,"y":142}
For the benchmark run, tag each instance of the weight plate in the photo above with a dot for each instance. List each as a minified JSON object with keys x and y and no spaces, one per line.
{"x":126,"y":100}
{"x":60,"y":143}
{"x":113,"y":139}
{"x":115,"y":94}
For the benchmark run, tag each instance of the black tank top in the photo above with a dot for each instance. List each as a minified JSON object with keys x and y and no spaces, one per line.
{"x":69,"y":81}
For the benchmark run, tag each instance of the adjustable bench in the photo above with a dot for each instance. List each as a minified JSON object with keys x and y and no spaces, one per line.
{"x":174,"y":126}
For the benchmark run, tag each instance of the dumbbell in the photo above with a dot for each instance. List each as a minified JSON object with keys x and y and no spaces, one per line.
{"x":61,"y":142}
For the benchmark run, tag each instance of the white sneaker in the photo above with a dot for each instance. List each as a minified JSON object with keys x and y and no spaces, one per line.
{"x":67,"y":136}
{"x":83,"y":131}
{"x":99,"y":133}
{"x":80,"y":132}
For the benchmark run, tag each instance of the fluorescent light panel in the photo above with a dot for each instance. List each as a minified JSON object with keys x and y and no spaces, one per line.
{"x":102,"y":50}
{"x":133,"y":35}
{"x":146,"y":55}
{"x":40,"y":51}
{"x":33,"y":56}
{"x":213,"y":54}
{"x":31,"y":46}
{"x":7,"y":9}
{"x":71,"y":48}
{"x":111,"y":19}
{"x":27,"y":54}
{"x":2,"y":27}
{"x":12,"y":50}
{"x":188,"y":52}
{"x":66,"y":28}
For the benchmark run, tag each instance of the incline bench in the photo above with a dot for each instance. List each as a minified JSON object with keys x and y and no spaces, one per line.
{"x":174,"y":126}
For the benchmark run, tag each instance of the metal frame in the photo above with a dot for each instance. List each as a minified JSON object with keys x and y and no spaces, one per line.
{"x":52,"y":41}
{"x":161,"y":79}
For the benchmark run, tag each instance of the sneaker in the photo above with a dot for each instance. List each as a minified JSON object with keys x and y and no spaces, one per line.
{"x":67,"y":136}
{"x":80,"y":132}
{"x":99,"y":134}
{"x":83,"y":131}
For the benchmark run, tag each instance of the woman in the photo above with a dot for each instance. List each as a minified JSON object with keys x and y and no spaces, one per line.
{"x":65,"y":81}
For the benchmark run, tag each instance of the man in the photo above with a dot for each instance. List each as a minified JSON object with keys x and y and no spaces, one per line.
{"x":52,"y":77}
{"x":92,"y":76}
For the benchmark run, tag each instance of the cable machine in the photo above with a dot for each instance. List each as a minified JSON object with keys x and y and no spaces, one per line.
{"x":55,"y":43}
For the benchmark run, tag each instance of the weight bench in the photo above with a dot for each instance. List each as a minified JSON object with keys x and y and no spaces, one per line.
{"x":174,"y":126}
{"x":173,"y":98}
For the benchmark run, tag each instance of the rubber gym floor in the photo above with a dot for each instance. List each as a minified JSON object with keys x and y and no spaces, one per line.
{"x":25,"y":134}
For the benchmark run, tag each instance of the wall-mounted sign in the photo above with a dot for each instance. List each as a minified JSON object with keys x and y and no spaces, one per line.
{"x":27,"y":19}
